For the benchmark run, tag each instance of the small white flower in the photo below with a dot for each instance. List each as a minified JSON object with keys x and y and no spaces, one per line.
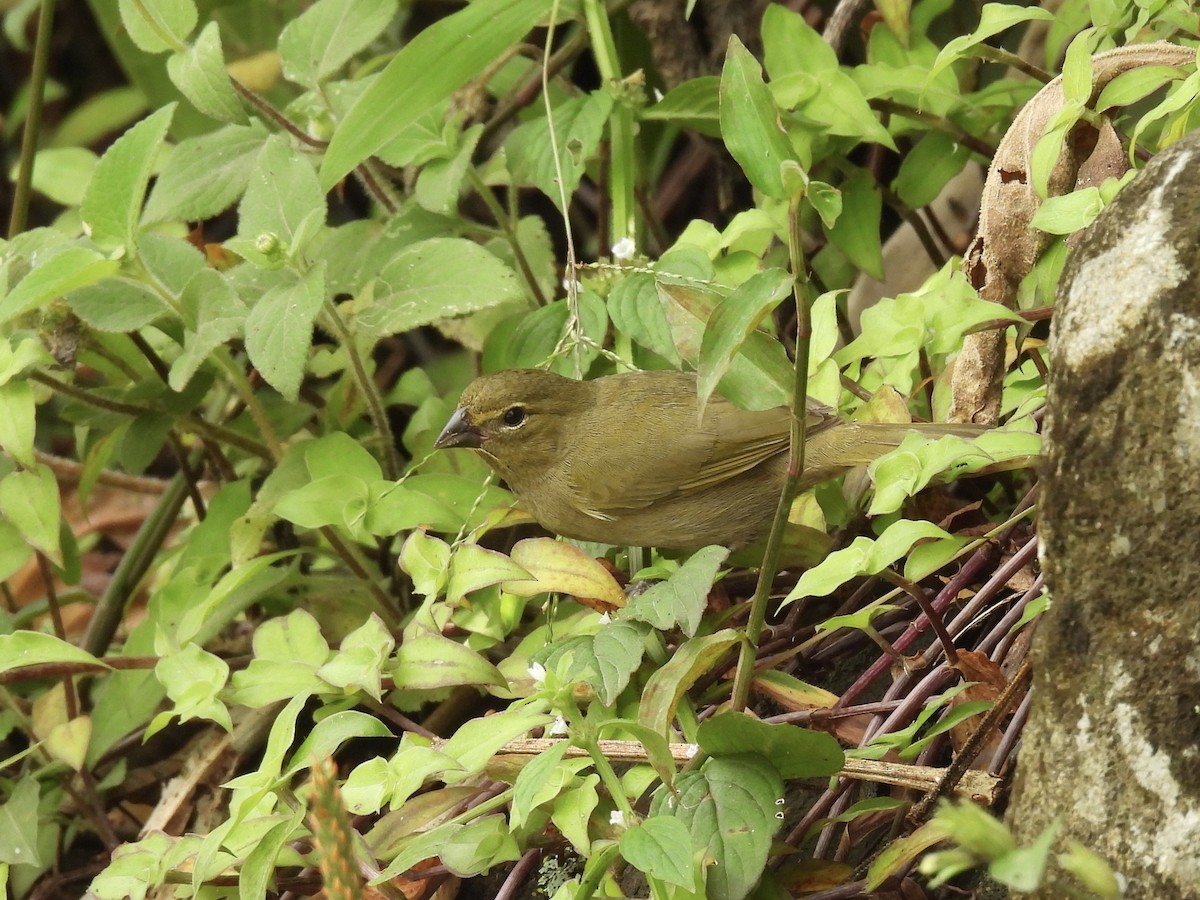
{"x":624,"y":249}
{"x":537,"y":672}
{"x":559,"y":726}
{"x":567,"y":283}
{"x":605,"y":619}
{"x":617,"y":818}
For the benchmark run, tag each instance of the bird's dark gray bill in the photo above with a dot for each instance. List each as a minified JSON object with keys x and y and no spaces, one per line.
{"x":458,"y":432}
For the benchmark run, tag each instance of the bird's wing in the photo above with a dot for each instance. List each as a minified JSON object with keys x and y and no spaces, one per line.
{"x":672,"y":462}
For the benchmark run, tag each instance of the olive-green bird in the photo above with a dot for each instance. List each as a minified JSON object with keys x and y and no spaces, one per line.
{"x":623,"y":459}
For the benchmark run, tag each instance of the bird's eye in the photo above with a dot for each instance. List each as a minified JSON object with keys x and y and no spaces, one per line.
{"x":514,"y":416}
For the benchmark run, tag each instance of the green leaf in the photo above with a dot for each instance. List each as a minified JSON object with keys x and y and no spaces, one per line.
{"x":863,"y":557}
{"x":994,"y":18}
{"x":33,"y":648}
{"x":478,"y":846}
{"x":653,"y":847}
{"x":279,"y":331}
{"x":158,"y":25}
{"x":694,"y":104}
{"x":205,"y":175}
{"x":340,"y":454}
{"x":428,"y":661}
{"x":117,"y":305}
{"x":537,"y":335}
{"x":918,"y":461}
{"x":213,"y":314}
{"x":330,"y":733}
{"x":476,"y":742}
{"x":29,"y":500}
{"x":113,"y":202}
{"x":901,"y":853}
{"x":1022,"y":869}
{"x":322,"y":502}
{"x":58,"y":272}
{"x":605,"y":660}
{"x":758,"y":378}
{"x":63,"y":173}
{"x":14,"y":552}
{"x":795,"y":752}
{"x":791,"y":45}
{"x":431,"y":67}
{"x":667,"y":685}
{"x":193,"y":679}
{"x":436,"y":279}
{"x":17,"y":421}
{"x":19,"y":824}
{"x":426,"y":560}
{"x":682,"y":598}
{"x":1068,"y":213}
{"x":199,"y":73}
{"x":856,"y":232}
{"x":636,"y":313}
{"x":325,"y":36}
{"x":932,"y":162}
{"x":539,"y":780}
{"x":750,"y":122}
{"x":731,"y":809}
{"x":732,"y":323}
{"x":282,"y":194}
{"x":360,"y":659}
{"x":1130,"y":87}
{"x":578,"y":127}
{"x":473,"y":568}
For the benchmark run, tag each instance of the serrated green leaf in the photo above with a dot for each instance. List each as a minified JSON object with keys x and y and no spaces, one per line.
{"x":683,"y":597}
{"x":199,"y":73}
{"x":206,"y":174}
{"x":58,"y":272}
{"x":113,"y":202}
{"x":321,"y":39}
{"x":279,"y":330}
{"x":436,"y":279}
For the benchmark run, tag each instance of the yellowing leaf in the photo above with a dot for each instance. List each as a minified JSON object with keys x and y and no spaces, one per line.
{"x":566,"y":569}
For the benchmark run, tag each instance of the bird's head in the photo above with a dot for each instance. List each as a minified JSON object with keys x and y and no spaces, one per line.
{"x":518,"y":420}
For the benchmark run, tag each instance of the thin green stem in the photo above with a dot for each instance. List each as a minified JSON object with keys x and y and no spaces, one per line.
{"x":995,"y":54}
{"x":766,"y":575}
{"x":507,"y":226}
{"x":608,"y":775}
{"x":241,"y":384}
{"x":188,"y":424}
{"x":350,"y":555}
{"x":370,"y":392}
{"x":33,"y":120}
{"x":133,"y":566}
{"x":623,"y":159}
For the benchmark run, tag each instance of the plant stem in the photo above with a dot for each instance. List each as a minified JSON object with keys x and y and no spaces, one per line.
{"x":33,"y":120}
{"x":766,"y":574}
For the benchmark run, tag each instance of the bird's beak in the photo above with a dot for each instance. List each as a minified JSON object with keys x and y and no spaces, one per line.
{"x":458,"y":432}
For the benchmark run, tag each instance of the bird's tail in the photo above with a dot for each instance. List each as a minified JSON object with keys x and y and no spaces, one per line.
{"x":836,"y":450}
